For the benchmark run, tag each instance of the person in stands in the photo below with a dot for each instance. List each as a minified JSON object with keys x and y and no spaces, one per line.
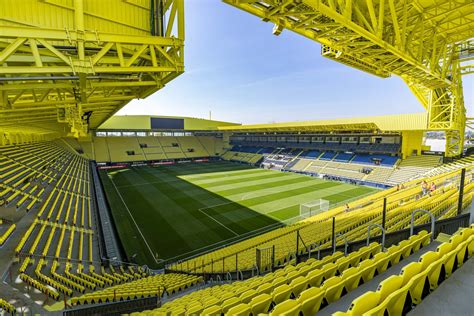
{"x":424,"y":188}
{"x":432,"y":187}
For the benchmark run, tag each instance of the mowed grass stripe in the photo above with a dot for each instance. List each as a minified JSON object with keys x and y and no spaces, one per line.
{"x":165,"y":201}
{"x":230,"y":176}
{"x":241,"y":179}
{"x":231,"y":215}
{"x":275,"y":190}
{"x":194,"y":232}
{"x":199,"y":169}
{"x":274,"y":205}
{"x":245,"y":220}
{"x":216,"y":174}
{"x":271,"y":183}
{"x":251,"y":182}
{"x":287,"y":194}
{"x":240,"y":221}
{"x":294,"y":210}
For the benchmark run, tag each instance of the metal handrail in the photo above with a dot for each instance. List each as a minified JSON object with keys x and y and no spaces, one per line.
{"x":310,"y":250}
{"x":383,"y":234}
{"x":433,"y":222}
{"x":346,"y":243}
{"x":256,"y":269}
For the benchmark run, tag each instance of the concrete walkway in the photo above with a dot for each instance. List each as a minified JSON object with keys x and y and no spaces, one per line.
{"x":453,"y":297}
{"x":23,"y":302}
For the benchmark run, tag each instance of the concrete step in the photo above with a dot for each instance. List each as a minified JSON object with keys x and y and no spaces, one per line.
{"x":345,"y":302}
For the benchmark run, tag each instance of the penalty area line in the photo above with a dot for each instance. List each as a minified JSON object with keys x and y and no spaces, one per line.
{"x":215,"y":220}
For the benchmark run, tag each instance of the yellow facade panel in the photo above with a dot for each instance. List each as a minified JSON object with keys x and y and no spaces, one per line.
{"x":132,"y":122}
{"x":109,"y":16}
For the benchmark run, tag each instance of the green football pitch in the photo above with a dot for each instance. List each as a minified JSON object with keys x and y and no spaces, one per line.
{"x":171,"y":212}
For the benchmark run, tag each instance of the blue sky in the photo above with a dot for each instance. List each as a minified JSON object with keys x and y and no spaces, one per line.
{"x":238,"y":70}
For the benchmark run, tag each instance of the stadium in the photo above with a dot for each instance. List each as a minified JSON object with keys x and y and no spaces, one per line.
{"x":107,"y":214}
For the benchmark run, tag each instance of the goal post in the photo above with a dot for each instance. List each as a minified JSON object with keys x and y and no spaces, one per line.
{"x":313,"y":208}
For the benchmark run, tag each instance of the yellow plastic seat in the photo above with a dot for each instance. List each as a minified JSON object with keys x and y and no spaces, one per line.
{"x":444,"y":248}
{"x":310,"y":301}
{"x":364,"y":303}
{"x":394,"y":253}
{"x":406,"y":247}
{"x":260,"y":304}
{"x":278,"y":281}
{"x":410,"y":270}
{"x":212,"y":310}
{"x":352,"y":278}
{"x":228,"y":304}
{"x":281,"y":293}
{"x":194,"y":310}
{"x":389,"y":285}
{"x":247,"y":296}
{"x":227,"y":295}
{"x":210,"y":301}
{"x":157,"y":312}
{"x":265,"y":288}
{"x":178,"y":311}
{"x":315,"y":278}
{"x":396,"y":303}
{"x":298,"y":285}
{"x":286,"y":308}
{"x":241,"y":290}
{"x":367,"y":270}
{"x":449,"y":257}
{"x":455,"y":240}
{"x":419,"y":286}
{"x":334,"y":288}
{"x":470,"y":246}
{"x":291,"y":276}
{"x":415,"y":241}
{"x":382,"y":260}
{"x":305,"y":270}
{"x":330,"y":270}
{"x":240,"y":310}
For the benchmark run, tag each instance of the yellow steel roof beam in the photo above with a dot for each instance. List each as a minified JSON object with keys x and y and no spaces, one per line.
{"x":416,"y":40}
{"x":84,"y":57}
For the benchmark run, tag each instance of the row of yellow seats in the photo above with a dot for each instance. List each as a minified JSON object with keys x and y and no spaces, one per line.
{"x":396,"y":294}
{"x":7,"y":307}
{"x":347,"y":280}
{"x":39,"y":286}
{"x":246,"y":299}
{"x":332,"y":289}
{"x":155,"y":285}
{"x":399,"y":219}
{"x":7,"y":234}
{"x":49,"y":281}
{"x":278,"y":285}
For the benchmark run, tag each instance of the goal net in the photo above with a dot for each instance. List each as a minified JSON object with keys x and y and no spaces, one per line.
{"x":313,"y":208}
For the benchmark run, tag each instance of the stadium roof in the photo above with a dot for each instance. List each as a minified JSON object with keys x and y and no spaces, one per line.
{"x":388,"y":123}
{"x":151,"y":122}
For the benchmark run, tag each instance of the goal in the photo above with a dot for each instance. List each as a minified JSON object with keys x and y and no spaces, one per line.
{"x":313,"y":208}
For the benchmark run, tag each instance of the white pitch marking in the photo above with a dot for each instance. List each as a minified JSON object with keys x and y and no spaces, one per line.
{"x":218,"y":222}
{"x":133,"y":219}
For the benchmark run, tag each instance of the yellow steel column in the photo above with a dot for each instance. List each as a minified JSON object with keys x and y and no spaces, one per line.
{"x":79,"y":23}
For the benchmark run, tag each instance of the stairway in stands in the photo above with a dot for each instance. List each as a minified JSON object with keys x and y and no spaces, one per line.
{"x":413,"y":166}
